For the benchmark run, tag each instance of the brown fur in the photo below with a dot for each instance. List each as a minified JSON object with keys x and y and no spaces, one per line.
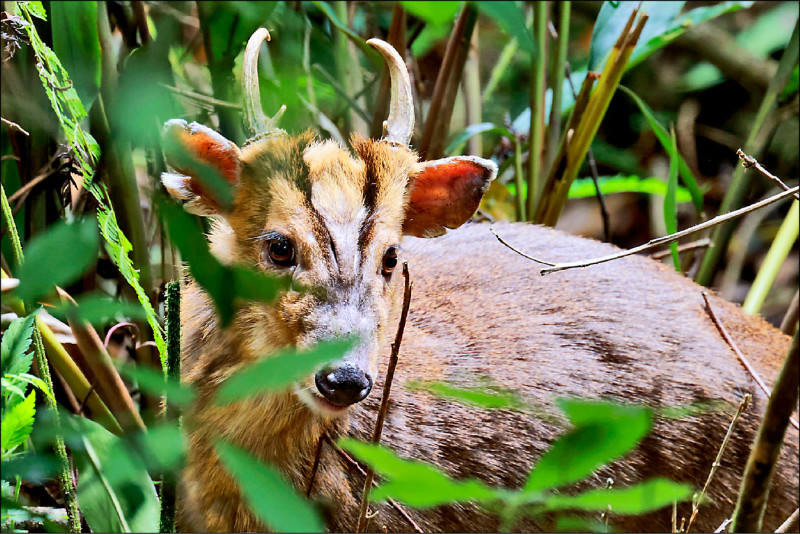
{"x":630,"y":330}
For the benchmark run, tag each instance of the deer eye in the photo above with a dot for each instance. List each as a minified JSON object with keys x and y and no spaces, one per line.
{"x":280,"y":251}
{"x":389,"y":261}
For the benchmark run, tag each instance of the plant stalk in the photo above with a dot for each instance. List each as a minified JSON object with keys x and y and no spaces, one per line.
{"x":537,"y":91}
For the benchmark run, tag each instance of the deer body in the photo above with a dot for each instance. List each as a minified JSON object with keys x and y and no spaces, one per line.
{"x":333,"y":220}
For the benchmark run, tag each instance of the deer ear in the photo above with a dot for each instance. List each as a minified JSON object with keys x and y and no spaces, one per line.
{"x":205,"y":165}
{"x":445,"y":193}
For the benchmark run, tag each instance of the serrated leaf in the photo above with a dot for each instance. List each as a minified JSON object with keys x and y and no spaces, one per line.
{"x":18,"y":422}
{"x":15,"y":344}
{"x":39,"y":272}
{"x":415,"y":483}
{"x":267,"y":493}
{"x":640,"y":499}
{"x":276,"y":372}
{"x":602,"y":432}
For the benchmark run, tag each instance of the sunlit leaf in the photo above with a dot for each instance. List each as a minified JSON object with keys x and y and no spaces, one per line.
{"x":18,"y":422}
{"x":267,"y":493}
{"x":584,"y":187}
{"x":602,"y":432}
{"x":443,"y":12}
{"x":42,"y":268}
{"x":273,"y":373}
{"x":415,"y":483}
{"x":640,"y":499}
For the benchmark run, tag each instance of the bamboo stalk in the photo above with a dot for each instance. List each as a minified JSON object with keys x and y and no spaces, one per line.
{"x":537,"y":91}
{"x":557,"y":83}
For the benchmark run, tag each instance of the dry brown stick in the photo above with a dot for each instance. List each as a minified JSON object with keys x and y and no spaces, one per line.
{"x":387,"y":389}
{"x":757,"y":477}
{"x":700,"y":243}
{"x":352,"y":463}
{"x":790,"y":319}
{"x":663,"y":240}
{"x":722,"y":330}
{"x":750,"y":162}
{"x":791,"y":523}
{"x":716,"y":464}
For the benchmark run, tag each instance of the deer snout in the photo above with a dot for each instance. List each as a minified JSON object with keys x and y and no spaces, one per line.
{"x":343,"y":385}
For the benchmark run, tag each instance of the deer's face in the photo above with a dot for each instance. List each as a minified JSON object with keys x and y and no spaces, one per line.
{"x":332,"y":220}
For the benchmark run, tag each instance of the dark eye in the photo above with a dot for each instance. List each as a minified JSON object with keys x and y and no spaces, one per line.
{"x":281,"y":251}
{"x":389,"y":261}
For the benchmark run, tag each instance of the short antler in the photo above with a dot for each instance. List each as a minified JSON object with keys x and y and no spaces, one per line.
{"x":400,"y":124}
{"x":257,"y":123}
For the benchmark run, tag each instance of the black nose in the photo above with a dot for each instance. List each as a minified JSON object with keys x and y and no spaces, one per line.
{"x":344,"y":385}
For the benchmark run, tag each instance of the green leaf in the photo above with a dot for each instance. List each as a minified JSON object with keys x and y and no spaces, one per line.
{"x":98,"y":309}
{"x":483,"y":398}
{"x":415,"y":483}
{"x":372,"y":54}
{"x":42,"y":269}
{"x":670,"y":204}
{"x":584,"y":187}
{"x":661,"y":133}
{"x":612,"y":19}
{"x":269,"y":496}
{"x":602,"y":432}
{"x":17,"y":423}
{"x":510,"y":17}
{"x":115,"y":492}
{"x":76,"y":43}
{"x":436,"y":13}
{"x":15,"y":344}
{"x":471,"y":131}
{"x":640,"y":499}
{"x":276,"y":372}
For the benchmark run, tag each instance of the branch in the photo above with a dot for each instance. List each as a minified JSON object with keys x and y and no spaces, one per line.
{"x":750,"y":161}
{"x":554,"y":267}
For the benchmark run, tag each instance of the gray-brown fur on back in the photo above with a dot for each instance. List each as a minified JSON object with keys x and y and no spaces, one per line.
{"x":630,"y":330}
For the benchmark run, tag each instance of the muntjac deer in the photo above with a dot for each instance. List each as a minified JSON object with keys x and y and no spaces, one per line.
{"x":630,"y":330}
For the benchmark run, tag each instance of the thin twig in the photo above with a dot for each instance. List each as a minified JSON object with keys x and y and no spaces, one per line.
{"x":716,"y":464}
{"x":503,"y":241}
{"x":387,"y":389}
{"x":723,"y":526}
{"x":767,"y":391}
{"x":14,"y":126}
{"x":85,"y":398}
{"x":750,"y":161}
{"x":791,"y":523}
{"x":315,"y":466}
{"x":201,"y":97}
{"x":700,"y":243}
{"x":355,"y":465}
{"x":663,"y":240}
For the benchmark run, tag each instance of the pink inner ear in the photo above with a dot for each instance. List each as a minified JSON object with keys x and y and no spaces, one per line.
{"x":188,"y":146}
{"x":445,"y":194}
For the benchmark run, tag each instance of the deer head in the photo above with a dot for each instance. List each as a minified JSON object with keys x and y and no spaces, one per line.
{"x":332,"y":219}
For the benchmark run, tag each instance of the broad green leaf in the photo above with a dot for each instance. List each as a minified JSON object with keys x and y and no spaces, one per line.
{"x":166,"y":446}
{"x":76,"y":43}
{"x":267,"y":493}
{"x":98,"y":309}
{"x":510,"y":17}
{"x":456,"y":145}
{"x":276,"y":372}
{"x":663,"y":136}
{"x":584,"y":187}
{"x":16,"y":342}
{"x":18,"y":422}
{"x":670,"y":204}
{"x":602,"y":432}
{"x":612,"y":19}
{"x":115,"y":492}
{"x":42,"y":268}
{"x":480,"y":397}
{"x":640,"y":499}
{"x":415,"y":483}
{"x":436,"y":13}
{"x":792,"y":85}
{"x":153,"y":382}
